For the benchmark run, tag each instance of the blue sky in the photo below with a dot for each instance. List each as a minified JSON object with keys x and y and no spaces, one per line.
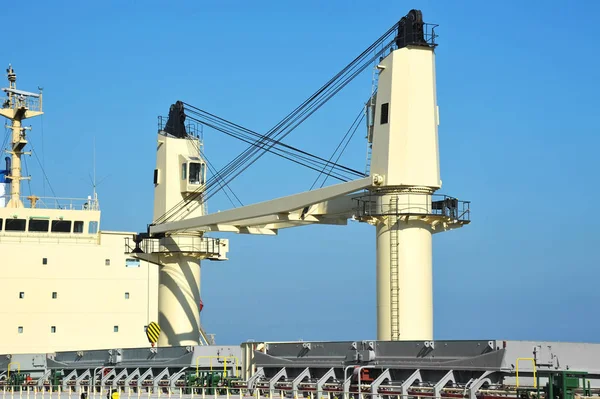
{"x":517,"y":89}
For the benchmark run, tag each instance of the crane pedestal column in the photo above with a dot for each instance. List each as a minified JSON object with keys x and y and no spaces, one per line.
{"x":404,"y":265}
{"x":179,"y":300}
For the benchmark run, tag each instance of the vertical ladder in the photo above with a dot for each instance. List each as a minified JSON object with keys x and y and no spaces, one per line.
{"x":204,"y":207}
{"x":368,"y":163}
{"x":370,"y":117}
{"x":394,"y":277}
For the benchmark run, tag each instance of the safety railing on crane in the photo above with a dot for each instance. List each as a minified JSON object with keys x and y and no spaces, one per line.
{"x":192,"y":128}
{"x":205,"y":245}
{"x":415,"y":203}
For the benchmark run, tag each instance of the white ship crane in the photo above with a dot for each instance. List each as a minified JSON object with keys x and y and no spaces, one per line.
{"x":397,"y":196}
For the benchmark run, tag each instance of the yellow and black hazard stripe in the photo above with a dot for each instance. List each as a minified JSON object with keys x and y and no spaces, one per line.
{"x":152,"y":332}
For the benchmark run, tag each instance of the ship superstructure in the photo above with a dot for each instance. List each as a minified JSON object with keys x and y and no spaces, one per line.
{"x":66,"y":284}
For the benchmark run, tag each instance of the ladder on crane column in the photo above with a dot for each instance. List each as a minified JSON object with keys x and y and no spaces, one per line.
{"x":370,"y":118}
{"x":394,"y":278}
{"x":368,"y":162}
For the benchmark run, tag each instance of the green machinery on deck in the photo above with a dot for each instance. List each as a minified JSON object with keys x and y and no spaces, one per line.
{"x":211,"y":381}
{"x":560,"y":385}
{"x":564,"y":384}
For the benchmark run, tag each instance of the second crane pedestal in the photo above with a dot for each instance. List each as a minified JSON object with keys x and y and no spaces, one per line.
{"x":178,"y":258}
{"x":405,"y":220}
{"x":179,"y":301}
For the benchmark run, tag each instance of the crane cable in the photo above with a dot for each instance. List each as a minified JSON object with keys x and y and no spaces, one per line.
{"x":192,"y":206}
{"x":301,"y":160}
{"x":214,"y":171}
{"x":244,"y":134}
{"x":357,"y":121}
{"x":244,"y":160}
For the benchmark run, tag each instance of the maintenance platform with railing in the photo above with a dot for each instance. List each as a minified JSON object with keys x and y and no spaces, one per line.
{"x":419,"y":204}
{"x":214,"y":248}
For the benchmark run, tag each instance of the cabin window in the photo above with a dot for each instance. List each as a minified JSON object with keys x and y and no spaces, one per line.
{"x":155,"y":177}
{"x":195,"y":173}
{"x":385,"y":109}
{"x":44,"y":261}
{"x":21,"y":295}
{"x":78,"y":227}
{"x":93,"y":227}
{"x":202,"y":172}
{"x":132,"y":262}
{"x":20,"y":329}
{"x":54,"y":295}
{"x":127,"y":295}
{"x":116,"y":328}
{"x":183,"y":171}
{"x":15,"y":225}
{"x":61,"y":226}
{"x":38,"y":226}
{"x":107,"y":262}
{"x":53,"y":329}
{"x":0,"y":223}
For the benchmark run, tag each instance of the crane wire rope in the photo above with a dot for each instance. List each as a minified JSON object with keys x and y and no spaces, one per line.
{"x":274,"y":136}
{"x":345,"y":146}
{"x":289,"y":155}
{"x":192,"y":206}
{"x":237,"y":131}
{"x":214,"y":171}
{"x":322,"y":172}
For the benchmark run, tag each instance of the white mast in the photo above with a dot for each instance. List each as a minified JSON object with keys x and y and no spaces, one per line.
{"x":19,"y":105}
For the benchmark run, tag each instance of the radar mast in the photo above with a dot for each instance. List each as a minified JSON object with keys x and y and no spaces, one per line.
{"x":18,"y":106}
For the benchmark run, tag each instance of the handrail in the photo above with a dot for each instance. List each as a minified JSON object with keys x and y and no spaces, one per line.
{"x":224,"y":363}
{"x":534,"y":370}
{"x":18,"y":369}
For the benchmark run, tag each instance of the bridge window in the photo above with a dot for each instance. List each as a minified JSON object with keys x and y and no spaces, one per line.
{"x":15,"y":225}
{"x":21,"y":295}
{"x":385,"y":109}
{"x":116,"y":328}
{"x":183,"y":171}
{"x":20,"y":329}
{"x":53,"y":329}
{"x":0,"y":223}
{"x":54,"y":295}
{"x":38,"y":226}
{"x":127,"y":295}
{"x":44,"y":261}
{"x":93,"y":227}
{"x":196,"y":173}
{"x":78,"y":227}
{"x":107,"y":262}
{"x":61,"y":226}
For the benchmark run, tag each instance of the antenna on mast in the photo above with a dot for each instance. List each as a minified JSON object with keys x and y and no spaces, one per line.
{"x":94,"y":168}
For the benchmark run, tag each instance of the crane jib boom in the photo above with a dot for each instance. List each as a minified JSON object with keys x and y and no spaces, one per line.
{"x":272,"y":207}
